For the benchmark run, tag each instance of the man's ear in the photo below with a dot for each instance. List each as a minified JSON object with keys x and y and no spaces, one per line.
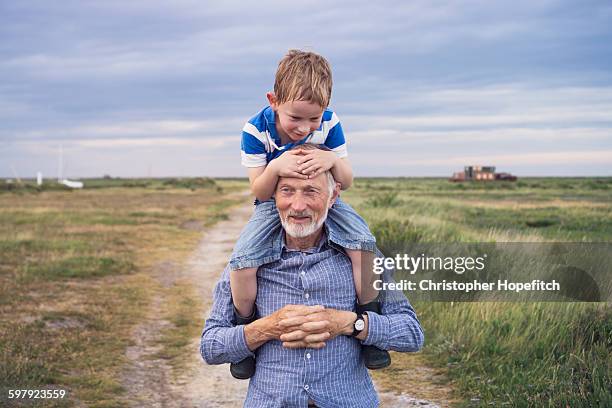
{"x":334,"y":195}
{"x":272,"y":100}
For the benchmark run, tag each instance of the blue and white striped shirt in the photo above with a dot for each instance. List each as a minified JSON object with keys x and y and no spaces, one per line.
{"x":262,"y":144}
{"x":334,"y":376}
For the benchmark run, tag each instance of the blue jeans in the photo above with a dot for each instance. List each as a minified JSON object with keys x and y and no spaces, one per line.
{"x":260,"y":241}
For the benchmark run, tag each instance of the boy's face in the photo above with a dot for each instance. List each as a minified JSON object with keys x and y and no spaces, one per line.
{"x":296,"y":119}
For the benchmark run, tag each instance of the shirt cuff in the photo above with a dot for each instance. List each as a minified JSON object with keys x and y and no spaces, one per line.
{"x":237,"y":349}
{"x":378,"y":330}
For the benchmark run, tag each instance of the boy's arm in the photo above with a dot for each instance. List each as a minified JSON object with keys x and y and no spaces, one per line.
{"x":343,"y":173}
{"x":263,"y":181}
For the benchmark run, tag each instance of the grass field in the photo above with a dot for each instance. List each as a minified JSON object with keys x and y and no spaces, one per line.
{"x":75,"y":277}
{"x":505,"y":354}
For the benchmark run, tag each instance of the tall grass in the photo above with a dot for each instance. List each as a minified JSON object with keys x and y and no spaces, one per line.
{"x":505,"y":354}
{"x":532,"y":354}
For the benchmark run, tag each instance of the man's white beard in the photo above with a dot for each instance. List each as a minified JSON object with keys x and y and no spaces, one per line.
{"x":303,"y":230}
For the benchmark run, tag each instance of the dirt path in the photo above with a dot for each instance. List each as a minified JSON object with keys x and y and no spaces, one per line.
{"x":148,"y":380}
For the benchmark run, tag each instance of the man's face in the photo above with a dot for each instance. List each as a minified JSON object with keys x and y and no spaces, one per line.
{"x":303,"y":204}
{"x":296,"y":119}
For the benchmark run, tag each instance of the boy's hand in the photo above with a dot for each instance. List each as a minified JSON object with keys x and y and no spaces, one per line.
{"x":316,"y":161}
{"x":287,"y":164}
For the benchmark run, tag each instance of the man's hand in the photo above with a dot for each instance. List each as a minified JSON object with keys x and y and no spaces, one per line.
{"x":286,"y":165}
{"x":313,"y":330}
{"x":270,"y":328}
{"x":316,"y":161}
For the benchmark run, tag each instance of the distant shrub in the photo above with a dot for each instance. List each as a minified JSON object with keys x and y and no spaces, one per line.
{"x":395,"y":236}
{"x":32,"y":187}
{"x":135,"y":183}
{"x":541,"y":222}
{"x":384,"y":200}
{"x":597,"y":185}
{"x":192,"y":183}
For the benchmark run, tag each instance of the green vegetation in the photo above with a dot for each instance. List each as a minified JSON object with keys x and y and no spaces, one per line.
{"x":76,"y":276}
{"x":76,"y":272}
{"x":182,"y":311}
{"x":504,"y":354}
{"x":192,"y":183}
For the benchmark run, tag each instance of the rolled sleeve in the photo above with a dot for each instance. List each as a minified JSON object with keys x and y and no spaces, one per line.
{"x":378,"y":327}
{"x":224,"y":345}
{"x":399,"y":332}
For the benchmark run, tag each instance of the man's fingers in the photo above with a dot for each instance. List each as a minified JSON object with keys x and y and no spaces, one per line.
{"x":314,"y":326}
{"x":300,"y":335}
{"x":303,"y":344}
{"x":317,"y":345}
{"x":317,"y":337}
{"x":294,"y":344}
{"x":303,"y":323}
{"x":296,"y":335}
{"x":292,"y":321}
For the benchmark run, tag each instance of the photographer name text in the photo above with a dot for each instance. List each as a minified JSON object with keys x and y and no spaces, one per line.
{"x":473,"y":286}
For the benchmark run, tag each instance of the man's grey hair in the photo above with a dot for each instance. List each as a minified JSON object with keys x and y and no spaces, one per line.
{"x":331,"y":182}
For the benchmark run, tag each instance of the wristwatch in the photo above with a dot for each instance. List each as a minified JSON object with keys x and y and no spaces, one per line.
{"x":358,"y":325}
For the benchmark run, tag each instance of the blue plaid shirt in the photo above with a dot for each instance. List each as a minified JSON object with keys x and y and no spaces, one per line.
{"x":334,"y":376}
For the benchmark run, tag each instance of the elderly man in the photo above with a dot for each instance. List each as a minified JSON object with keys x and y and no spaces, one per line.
{"x":308,"y":336}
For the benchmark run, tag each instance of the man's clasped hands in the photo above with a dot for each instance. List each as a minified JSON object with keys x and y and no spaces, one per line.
{"x":300,"y":326}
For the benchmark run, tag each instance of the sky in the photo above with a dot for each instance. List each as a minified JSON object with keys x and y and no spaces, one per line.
{"x":163,"y":88}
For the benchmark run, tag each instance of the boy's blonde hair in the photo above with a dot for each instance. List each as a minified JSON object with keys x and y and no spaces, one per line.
{"x":303,"y":76}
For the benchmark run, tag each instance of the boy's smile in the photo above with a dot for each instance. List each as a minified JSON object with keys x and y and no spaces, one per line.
{"x":295,"y":119}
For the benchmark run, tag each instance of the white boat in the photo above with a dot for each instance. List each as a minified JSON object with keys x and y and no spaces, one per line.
{"x":72,"y":184}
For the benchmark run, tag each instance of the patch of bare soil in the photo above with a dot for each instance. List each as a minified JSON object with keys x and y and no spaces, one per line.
{"x":149,"y":381}
{"x":410,"y":382}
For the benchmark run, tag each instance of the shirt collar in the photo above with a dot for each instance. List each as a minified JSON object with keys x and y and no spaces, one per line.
{"x":270,"y":115}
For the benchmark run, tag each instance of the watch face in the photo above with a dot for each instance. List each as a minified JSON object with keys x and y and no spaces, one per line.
{"x":359,"y":324}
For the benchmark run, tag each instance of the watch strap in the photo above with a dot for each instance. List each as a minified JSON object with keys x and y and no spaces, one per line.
{"x":355,"y":330}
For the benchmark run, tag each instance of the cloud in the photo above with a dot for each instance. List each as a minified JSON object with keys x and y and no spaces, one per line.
{"x":114,"y":79}
{"x":137,"y":130}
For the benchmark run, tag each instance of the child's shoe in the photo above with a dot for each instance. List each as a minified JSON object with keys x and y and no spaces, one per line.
{"x":244,"y":369}
{"x":374,"y":357}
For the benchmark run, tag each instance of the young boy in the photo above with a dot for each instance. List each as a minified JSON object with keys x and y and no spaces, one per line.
{"x":298,"y":114}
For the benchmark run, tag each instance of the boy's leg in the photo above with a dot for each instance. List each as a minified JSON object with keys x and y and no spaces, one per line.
{"x":243,"y":283}
{"x":363,"y":275}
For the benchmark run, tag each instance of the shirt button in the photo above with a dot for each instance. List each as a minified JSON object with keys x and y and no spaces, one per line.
{"x":303,"y":273}
{"x":307,"y":355}
{"x":306,"y":295}
{"x":306,"y":387}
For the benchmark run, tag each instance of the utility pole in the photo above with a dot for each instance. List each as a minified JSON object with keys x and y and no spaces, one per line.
{"x":60,"y":164}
